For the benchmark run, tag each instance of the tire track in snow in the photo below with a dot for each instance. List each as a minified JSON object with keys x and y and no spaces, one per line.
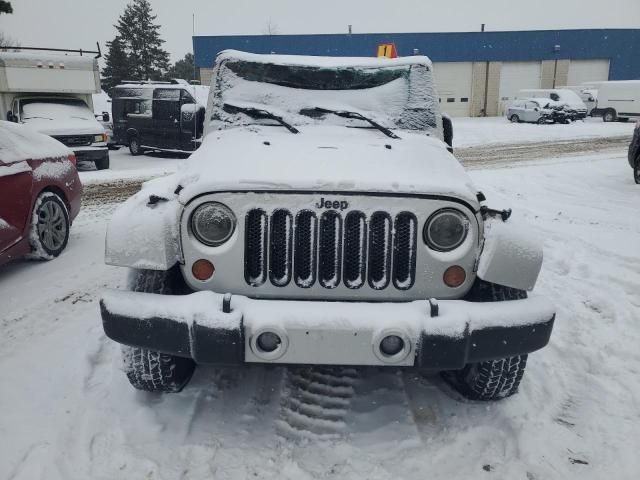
{"x":315,"y":402}
{"x":502,"y":155}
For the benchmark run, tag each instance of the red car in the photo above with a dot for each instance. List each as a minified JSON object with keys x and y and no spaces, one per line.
{"x":39,"y":193}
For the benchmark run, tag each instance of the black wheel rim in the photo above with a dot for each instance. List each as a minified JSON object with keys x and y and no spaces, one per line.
{"x":52,"y":225}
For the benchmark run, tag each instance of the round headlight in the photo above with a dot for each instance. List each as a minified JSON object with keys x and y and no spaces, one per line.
{"x":446,"y":230}
{"x":213,"y":223}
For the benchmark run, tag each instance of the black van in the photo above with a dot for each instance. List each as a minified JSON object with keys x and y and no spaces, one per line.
{"x":158,"y":116}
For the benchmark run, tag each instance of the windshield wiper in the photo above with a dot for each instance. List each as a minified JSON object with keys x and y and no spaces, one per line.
{"x":357,"y":116}
{"x":258,"y":113}
{"x":43,"y":118}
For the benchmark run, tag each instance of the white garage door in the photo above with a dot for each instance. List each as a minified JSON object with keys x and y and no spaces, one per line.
{"x":515,"y":76}
{"x":453,"y":82}
{"x":588,"y":71}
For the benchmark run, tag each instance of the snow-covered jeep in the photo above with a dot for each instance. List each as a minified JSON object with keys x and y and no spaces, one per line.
{"x":324,"y":222}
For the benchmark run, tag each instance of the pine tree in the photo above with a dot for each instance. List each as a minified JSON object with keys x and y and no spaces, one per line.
{"x":182,"y":69}
{"x":140,"y":37}
{"x":118,"y":65}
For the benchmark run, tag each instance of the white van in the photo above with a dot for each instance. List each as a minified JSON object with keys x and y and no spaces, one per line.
{"x":587,"y":94}
{"x":619,"y":100}
{"x":52,"y":94}
{"x":559,"y":95}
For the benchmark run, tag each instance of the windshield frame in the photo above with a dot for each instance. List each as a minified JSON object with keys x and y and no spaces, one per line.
{"x":421,"y":103}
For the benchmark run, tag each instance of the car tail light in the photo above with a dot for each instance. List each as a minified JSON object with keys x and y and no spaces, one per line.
{"x":72,"y":158}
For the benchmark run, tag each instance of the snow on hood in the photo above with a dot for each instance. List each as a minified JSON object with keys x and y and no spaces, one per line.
{"x":60,"y":118}
{"x":322,"y":158}
{"x":18,"y":143}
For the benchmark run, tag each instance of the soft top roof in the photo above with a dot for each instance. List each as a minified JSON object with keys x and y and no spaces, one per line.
{"x":323,"y":62}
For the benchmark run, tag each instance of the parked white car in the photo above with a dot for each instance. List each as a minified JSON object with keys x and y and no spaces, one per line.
{"x":323,"y":221}
{"x":530,"y":110}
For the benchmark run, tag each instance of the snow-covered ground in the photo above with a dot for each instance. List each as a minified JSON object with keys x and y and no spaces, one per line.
{"x":69,"y":413}
{"x":469,"y":132}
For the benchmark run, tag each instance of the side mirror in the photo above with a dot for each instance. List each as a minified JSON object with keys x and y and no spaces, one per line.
{"x":447,"y":131}
{"x":105,"y":116}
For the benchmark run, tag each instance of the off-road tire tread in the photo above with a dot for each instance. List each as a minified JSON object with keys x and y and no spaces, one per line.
{"x":492,"y":379}
{"x":146,"y":369}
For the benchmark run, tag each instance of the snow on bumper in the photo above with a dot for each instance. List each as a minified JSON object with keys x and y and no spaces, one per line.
{"x":210,"y":329}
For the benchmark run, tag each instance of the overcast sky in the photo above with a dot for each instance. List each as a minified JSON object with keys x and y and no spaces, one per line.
{"x":80,"y":23}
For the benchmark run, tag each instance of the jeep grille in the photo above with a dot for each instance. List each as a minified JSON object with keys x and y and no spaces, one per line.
{"x":353,"y":249}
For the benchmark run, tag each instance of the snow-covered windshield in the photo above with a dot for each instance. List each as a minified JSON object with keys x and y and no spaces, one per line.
{"x":398,"y":96}
{"x":54,"y":110}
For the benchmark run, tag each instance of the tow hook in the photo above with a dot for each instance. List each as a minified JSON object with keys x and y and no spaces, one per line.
{"x":490,"y":212}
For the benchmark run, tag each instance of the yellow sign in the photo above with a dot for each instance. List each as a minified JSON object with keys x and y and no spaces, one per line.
{"x":387,"y":50}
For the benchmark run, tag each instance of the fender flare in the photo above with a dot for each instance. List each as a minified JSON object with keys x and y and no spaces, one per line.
{"x":511,"y":255}
{"x":144,"y":235}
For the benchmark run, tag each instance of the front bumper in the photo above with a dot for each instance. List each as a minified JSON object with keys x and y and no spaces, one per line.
{"x":91,"y":154}
{"x":218,"y":329}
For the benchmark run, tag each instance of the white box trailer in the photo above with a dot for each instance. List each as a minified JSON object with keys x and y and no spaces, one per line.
{"x":52,"y":94}
{"x":618,"y":100}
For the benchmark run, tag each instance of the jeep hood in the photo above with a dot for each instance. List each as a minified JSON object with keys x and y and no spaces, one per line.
{"x":323,"y":158}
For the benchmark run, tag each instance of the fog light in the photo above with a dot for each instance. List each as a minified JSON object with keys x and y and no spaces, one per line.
{"x":202,"y":269}
{"x":391,"y":345}
{"x":268,"y":342}
{"x":454,"y":276}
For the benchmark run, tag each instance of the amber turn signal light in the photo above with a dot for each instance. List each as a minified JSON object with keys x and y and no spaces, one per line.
{"x":202,"y":269}
{"x":454,"y":276}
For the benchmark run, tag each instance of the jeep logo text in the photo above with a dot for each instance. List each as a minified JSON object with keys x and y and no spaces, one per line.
{"x":335,"y":204}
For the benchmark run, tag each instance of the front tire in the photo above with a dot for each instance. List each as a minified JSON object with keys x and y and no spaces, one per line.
{"x":609,"y":115}
{"x":492,"y":379}
{"x":50,"y":225}
{"x":134,"y":146}
{"x":636,"y":172}
{"x":149,"y":370}
{"x":542,"y":121}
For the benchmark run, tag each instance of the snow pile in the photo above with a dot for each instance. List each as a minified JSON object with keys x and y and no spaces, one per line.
{"x":18,"y":143}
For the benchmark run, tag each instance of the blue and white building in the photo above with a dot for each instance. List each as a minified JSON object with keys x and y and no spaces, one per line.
{"x":476,"y":72}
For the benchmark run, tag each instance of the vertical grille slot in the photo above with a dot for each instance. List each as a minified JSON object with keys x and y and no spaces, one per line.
{"x":329,"y":255}
{"x":280,"y":243}
{"x":355,"y":249}
{"x":404,"y":250}
{"x":305,"y":244}
{"x":380,"y":227}
{"x":255,"y":247}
